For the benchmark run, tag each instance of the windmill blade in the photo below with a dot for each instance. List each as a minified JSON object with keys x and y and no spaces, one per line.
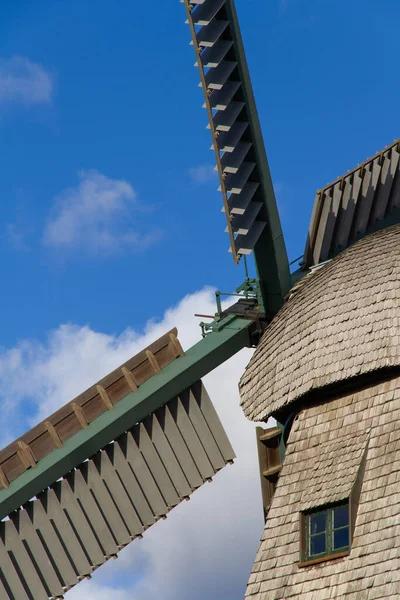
{"x":241,"y":161}
{"x":363,"y":200}
{"x":94,"y":511}
{"x":96,"y":474}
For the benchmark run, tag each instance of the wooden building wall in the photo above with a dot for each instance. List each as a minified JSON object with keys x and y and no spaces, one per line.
{"x":329,"y":446}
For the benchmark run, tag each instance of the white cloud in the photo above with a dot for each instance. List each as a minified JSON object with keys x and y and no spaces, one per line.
{"x":96,"y":216}
{"x":202,"y":174}
{"x":22,"y":80}
{"x":205,"y":549}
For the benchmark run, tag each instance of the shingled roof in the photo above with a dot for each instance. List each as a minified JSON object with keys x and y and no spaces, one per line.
{"x":343,"y":322}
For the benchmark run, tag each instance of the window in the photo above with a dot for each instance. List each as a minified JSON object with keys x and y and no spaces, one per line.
{"x":327,"y":532}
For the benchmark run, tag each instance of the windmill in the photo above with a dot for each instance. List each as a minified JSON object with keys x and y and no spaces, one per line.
{"x":99,"y":472}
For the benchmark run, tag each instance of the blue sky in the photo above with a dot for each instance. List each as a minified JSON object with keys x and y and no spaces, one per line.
{"x":110,"y":210}
{"x":123,"y":101}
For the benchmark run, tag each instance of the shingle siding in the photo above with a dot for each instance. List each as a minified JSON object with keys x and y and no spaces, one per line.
{"x":325,"y":441}
{"x":344,"y":321}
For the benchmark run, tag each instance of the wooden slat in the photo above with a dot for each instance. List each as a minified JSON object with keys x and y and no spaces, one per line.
{"x":130,"y":379}
{"x":176,"y":345}
{"x":105,"y":397}
{"x":167,"y":457}
{"x":131,"y":484}
{"x":62,"y":562}
{"x":192,"y":441}
{"x":153,"y":361}
{"x":203,"y":431}
{"x":272,"y":471}
{"x":54,"y":435}
{"x":81,"y":526}
{"x":100,"y":492}
{"x":26,"y":454}
{"x":156,"y":467}
{"x":37,"y":550}
{"x":92,"y":513}
{"x":65,"y":532}
{"x":10,"y":573}
{"x":144,"y":476}
{"x":3,"y":479}
{"x":179,"y":447}
{"x":213,"y":421}
{"x":119,"y":495}
{"x":80,"y":415}
{"x":269,"y":434}
{"x":14,"y":545}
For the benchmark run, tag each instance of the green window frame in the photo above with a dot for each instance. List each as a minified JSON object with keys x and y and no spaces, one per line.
{"x":327,"y":531}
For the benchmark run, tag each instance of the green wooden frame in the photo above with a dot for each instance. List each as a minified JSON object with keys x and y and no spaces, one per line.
{"x":328,"y":532}
{"x":232,"y":335}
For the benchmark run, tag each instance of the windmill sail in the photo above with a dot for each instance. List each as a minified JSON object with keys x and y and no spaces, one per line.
{"x":245,"y":181}
{"x":96,"y":474}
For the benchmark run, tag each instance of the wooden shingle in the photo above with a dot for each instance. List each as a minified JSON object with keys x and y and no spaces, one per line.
{"x":316,"y":473}
{"x":341,"y":323}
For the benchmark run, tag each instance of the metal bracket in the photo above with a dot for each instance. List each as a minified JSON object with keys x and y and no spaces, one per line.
{"x":248,"y":306}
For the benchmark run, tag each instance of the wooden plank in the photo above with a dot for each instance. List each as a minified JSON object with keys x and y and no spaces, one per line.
{"x":80,"y":415}
{"x":203,"y":431}
{"x":213,"y":421}
{"x":192,"y":441}
{"x":65,"y":532}
{"x":383,"y":192}
{"x":130,"y":483}
{"x":118,"y":390}
{"x":346,"y":212}
{"x":105,"y":503}
{"x":331,"y":223}
{"x":3,"y":592}
{"x":81,"y":526}
{"x":368,"y":188}
{"x":167,"y":456}
{"x":61,"y":561}
{"x":94,"y":408}
{"x":181,"y":451}
{"x":37,"y":552}
{"x":14,"y":546}
{"x":9,"y":573}
{"x":144,"y":477}
{"x":267,"y":488}
{"x":326,"y":203}
{"x":394,"y":199}
{"x":155,"y":465}
{"x":92,"y":513}
{"x":176,"y":345}
{"x":118,"y":493}
{"x":269,"y":434}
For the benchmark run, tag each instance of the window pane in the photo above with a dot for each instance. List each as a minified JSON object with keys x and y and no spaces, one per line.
{"x":341,"y":538}
{"x":318,"y":523}
{"x":341,"y":516}
{"x":317,"y":544}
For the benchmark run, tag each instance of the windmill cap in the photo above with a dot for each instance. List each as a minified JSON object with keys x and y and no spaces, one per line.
{"x":341,"y":324}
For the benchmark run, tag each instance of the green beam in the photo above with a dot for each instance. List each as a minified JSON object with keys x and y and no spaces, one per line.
{"x":199,"y":360}
{"x":270,"y":251}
